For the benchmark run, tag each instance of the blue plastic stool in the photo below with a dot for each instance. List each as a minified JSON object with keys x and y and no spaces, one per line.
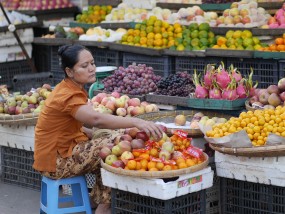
{"x":51,"y":198}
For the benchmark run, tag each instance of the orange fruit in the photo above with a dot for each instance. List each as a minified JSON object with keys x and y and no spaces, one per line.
{"x":132,"y":164}
{"x":139,"y":166}
{"x":190,"y":162}
{"x":144,"y":156}
{"x":159,"y":165}
{"x":279,"y":41}
{"x":144,"y":163}
{"x":136,"y":154}
{"x":150,"y":165}
{"x":153,"y":152}
{"x":182,"y":165}
{"x":167,"y":168}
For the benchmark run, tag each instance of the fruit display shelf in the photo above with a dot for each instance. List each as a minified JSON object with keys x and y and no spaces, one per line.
{"x":52,"y":13}
{"x":255,"y":31}
{"x":136,"y":50}
{"x":230,"y":53}
{"x":216,"y":104}
{"x":105,"y":25}
{"x":22,"y":26}
{"x":206,"y":7}
{"x":169,"y":52}
{"x":269,"y":55}
{"x":167,"y":100}
{"x":104,"y":2}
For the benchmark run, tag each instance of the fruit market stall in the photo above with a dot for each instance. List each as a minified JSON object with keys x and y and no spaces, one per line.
{"x":217,"y":66}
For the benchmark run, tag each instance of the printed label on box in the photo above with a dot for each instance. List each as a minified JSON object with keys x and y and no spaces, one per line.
{"x":189,"y":181}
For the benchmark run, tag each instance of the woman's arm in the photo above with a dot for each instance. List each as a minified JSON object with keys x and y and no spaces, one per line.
{"x":88,"y":132}
{"x":88,"y":116}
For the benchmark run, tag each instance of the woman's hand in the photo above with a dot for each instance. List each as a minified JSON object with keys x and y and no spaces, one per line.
{"x":150,"y":128}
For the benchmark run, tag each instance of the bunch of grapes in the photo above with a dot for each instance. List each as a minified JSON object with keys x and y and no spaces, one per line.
{"x":179,"y":84}
{"x":133,"y":80}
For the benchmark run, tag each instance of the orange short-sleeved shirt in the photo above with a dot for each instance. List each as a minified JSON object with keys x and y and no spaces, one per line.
{"x":57,"y":131}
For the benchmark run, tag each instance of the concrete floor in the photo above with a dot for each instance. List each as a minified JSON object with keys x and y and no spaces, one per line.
{"x":18,"y":200}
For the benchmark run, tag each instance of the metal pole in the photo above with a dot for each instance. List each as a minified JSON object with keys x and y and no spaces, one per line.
{"x":12,"y":28}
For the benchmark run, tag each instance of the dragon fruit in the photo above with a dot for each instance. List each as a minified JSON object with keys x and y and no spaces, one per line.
{"x":222,"y":77}
{"x":200,"y":91}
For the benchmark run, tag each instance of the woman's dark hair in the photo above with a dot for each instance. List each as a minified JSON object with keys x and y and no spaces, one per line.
{"x":68,"y":55}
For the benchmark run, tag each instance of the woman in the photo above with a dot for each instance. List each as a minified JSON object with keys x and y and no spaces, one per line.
{"x":63,"y":146}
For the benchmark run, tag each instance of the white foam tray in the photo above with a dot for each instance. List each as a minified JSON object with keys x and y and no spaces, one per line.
{"x":263,"y":170}
{"x":21,"y":137}
{"x":157,"y":188}
{"x":8,"y":38}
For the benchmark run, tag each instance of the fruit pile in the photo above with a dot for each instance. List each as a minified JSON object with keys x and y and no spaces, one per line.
{"x":94,"y":14}
{"x":194,"y":37}
{"x":257,"y":124}
{"x":60,"y":32}
{"x":278,"y":45}
{"x":243,"y":14}
{"x":133,"y":80}
{"x":26,"y":103}
{"x":223,"y":84}
{"x":179,"y":84}
{"x":152,"y":33}
{"x":119,"y":105}
{"x":278,"y":20}
{"x":135,"y":151}
{"x":238,"y":40}
{"x":271,"y":97}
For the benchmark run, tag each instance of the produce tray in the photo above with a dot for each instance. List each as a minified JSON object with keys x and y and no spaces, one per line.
{"x":184,"y":53}
{"x":105,"y":25}
{"x":22,"y":26}
{"x":269,"y":55}
{"x":157,"y":174}
{"x":248,"y":107}
{"x":141,"y":97}
{"x":260,"y":151}
{"x":216,"y":104}
{"x":168,"y":117}
{"x":53,"y":41}
{"x":135,"y":49}
{"x":229,"y":53}
{"x":167,"y":100}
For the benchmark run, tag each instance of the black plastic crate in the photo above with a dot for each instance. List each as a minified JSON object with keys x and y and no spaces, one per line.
{"x":250,"y":198}
{"x":106,"y":57}
{"x":189,"y":64}
{"x":126,"y":202}
{"x":42,"y":57}
{"x":162,"y":65}
{"x":16,"y":167}
{"x":265,"y":71}
{"x":24,"y":82}
{"x":213,"y":194}
{"x":9,"y":69}
{"x":281,"y":69}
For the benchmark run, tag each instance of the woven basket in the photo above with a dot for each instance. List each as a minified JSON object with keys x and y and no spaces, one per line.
{"x":248,"y":107}
{"x":157,"y":174}
{"x":168,"y":117}
{"x":29,"y":119}
{"x":261,"y":151}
